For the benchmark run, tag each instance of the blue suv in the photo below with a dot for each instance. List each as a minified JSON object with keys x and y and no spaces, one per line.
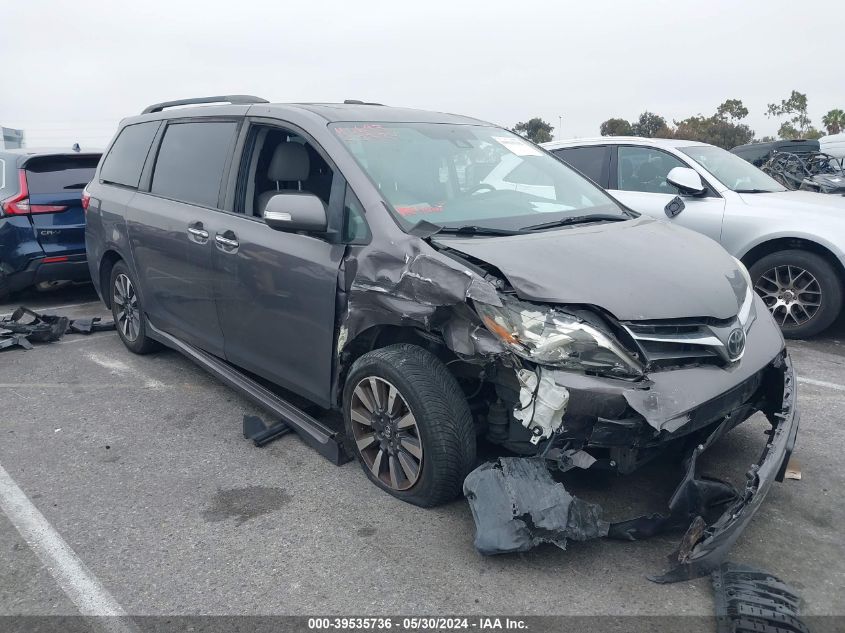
{"x":42,"y":216}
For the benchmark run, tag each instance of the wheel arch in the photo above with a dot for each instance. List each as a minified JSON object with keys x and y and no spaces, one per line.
{"x":379,"y":336}
{"x":774,"y":245}
{"x":107,"y":262}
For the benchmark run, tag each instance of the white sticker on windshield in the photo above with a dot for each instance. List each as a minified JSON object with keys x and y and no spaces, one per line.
{"x":517,"y":145}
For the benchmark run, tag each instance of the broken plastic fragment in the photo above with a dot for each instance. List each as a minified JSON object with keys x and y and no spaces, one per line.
{"x":517,"y":505}
{"x":541,"y":407}
{"x":793,"y":470}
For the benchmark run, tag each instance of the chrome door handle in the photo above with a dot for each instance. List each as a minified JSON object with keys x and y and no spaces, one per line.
{"x":225,"y":241}
{"x":203,"y":235}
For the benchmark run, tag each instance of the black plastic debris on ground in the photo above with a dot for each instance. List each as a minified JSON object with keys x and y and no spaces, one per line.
{"x":752,"y":600}
{"x":256,"y":429}
{"x":517,"y":505}
{"x":24,"y":327}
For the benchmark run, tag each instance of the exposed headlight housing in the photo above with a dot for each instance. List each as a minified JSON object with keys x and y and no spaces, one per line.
{"x":549,"y":336}
{"x":747,"y":312}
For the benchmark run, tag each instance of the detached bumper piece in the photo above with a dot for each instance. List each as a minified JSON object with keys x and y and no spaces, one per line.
{"x":26,"y":326}
{"x":516,"y":504}
{"x":750,"y":600}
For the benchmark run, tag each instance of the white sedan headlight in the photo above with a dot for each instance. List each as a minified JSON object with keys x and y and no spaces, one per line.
{"x":548,"y":336}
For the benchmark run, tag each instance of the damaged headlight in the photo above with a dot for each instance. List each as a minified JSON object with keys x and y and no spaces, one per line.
{"x":548,"y":336}
{"x":747,"y":312}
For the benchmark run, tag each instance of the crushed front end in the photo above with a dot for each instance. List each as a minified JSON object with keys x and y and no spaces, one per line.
{"x":691,"y":390}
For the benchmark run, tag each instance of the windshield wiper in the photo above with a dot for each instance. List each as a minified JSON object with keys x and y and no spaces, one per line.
{"x":753,"y":191}
{"x":577,"y":219}
{"x":471,"y":229}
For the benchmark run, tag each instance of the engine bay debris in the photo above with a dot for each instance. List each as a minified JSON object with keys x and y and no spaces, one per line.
{"x":752,"y":600}
{"x":542,"y":404}
{"x":24,"y":327}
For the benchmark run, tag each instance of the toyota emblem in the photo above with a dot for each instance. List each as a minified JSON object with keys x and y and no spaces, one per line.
{"x":736,"y":343}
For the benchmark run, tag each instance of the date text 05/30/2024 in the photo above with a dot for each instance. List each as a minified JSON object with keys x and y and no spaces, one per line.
{"x":478,"y":623}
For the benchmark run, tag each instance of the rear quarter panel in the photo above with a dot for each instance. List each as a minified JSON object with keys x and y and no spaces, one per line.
{"x":105,"y":228}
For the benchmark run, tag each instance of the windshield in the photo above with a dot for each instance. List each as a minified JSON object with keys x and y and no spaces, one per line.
{"x":469,"y":175}
{"x":732,"y":171}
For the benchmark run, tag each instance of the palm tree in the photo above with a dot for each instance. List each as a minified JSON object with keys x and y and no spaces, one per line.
{"x":834,"y":121}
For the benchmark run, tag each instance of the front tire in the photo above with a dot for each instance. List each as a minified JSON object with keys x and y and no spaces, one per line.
{"x":801,"y":289}
{"x":127,"y":311}
{"x":409,"y":425}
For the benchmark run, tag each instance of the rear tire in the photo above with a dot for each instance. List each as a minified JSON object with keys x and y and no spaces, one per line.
{"x":801,"y":289}
{"x":128,"y":312}
{"x":420,"y":424}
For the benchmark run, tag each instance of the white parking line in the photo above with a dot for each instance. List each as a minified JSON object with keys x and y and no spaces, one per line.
{"x":71,"y":574}
{"x":821,"y":383}
{"x":119,"y":367}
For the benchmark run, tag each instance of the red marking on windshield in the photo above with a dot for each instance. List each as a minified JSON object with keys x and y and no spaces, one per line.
{"x":414,"y":209}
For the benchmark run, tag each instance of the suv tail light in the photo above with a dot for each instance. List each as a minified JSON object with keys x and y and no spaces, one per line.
{"x":19,"y":203}
{"x":86,"y":198}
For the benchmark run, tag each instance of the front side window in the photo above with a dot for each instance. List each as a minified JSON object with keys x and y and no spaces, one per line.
{"x":277,"y":162}
{"x":590,"y":161}
{"x":731,"y":170}
{"x":355,"y":228}
{"x":456,"y":175}
{"x":645,"y":169}
{"x":191,"y":161}
{"x":125,"y":160}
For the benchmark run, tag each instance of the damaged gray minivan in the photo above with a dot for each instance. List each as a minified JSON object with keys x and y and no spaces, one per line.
{"x":442,"y":282}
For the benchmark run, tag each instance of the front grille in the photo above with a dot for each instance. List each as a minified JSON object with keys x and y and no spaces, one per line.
{"x":666,"y":345}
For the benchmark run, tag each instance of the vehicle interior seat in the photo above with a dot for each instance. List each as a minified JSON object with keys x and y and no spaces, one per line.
{"x":290,"y":164}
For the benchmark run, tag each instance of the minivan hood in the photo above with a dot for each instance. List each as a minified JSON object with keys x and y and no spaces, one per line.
{"x":637,"y":269}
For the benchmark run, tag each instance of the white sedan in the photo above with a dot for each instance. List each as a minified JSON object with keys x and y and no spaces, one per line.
{"x":793,"y":242}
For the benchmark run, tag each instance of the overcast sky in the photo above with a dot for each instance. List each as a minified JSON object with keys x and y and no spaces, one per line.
{"x":76,"y":68}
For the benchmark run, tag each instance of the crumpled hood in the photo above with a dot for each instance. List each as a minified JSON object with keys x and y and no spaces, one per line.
{"x":637,"y":269}
{"x":828,"y":205}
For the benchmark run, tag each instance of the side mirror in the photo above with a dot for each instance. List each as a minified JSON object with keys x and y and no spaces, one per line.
{"x":295,"y":211}
{"x":686,"y":180}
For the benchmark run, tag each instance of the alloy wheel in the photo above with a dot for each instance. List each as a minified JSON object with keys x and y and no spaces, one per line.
{"x":127,"y":313}
{"x":792,"y":294}
{"x":386,"y":433}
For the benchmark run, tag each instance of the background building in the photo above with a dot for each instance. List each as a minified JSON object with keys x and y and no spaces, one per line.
{"x":11,"y":138}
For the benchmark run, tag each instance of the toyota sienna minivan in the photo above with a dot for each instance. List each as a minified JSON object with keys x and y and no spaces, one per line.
{"x":357,"y":257}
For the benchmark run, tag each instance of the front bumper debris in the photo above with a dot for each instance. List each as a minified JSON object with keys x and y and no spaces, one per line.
{"x":516,"y":507}
{"x":749,"y":600}
{"x":26,"y":326}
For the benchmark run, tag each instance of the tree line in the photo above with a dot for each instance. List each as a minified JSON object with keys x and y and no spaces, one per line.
{"x":723,"y":128}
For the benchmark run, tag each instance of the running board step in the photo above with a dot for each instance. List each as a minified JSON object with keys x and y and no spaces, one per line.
{"x":317,"y":435}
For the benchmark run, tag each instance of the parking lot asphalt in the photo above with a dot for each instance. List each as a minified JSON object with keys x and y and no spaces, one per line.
{"x":139,"y":465}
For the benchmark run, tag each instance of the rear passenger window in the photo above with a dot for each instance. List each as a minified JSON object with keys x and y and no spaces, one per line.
{"x":590,"y":161}
{"x":191,"y":160}
{"x":126,"y":158}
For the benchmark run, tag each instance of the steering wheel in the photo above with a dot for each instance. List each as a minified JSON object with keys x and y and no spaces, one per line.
{"x":480,"y":188}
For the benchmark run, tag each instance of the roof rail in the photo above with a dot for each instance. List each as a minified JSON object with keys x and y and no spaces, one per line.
{"x":359,"y":102}
{"x":234,"y":99}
